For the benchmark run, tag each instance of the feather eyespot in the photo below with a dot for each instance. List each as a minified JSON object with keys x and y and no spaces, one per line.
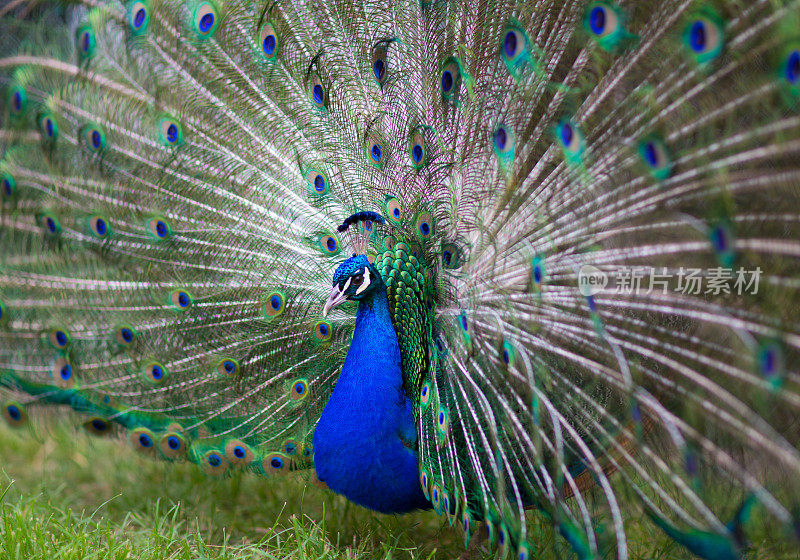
{"x":513,"y":43}
{"x":59,"y":338}
{"x":290,"y":447}
{"x":299,"y":390}
{"x":63,"y":372}
{"x":8,"y":186}
{"x":329,"y":244}
{"x":570,"y":138}
{"x":791,"y":67}
{"x":491,"y":533}
{"x":317,"y":92}
{"x":3,"y":313}
{"x":502,"y":535}
{"x":424,"y":225}
{"x":503,"y":141}
{"x":159,"y":228}
{"x":450,"y":78}
{"x":507,"y":353}
{"x":318,"y":182}
{"x":771,"y":362}
{"x":423,"y":481}
{"x":425,"y":395}
{"x":268,"y":41}
{"x":172,"y":445}
{"x":154,"y":372}
{"x":14,"y":414}
{"x":442,"y":423}
{"x":274,"y":305}
{"x":238,"y":453}
{"x":653,"y":153}
{"x":515,"y":49}
{"x":205,"y":20}
{"x":48,"y":128}
{"x":464,"y":327}
{"x":537,"y":272}
{"x":376,"y":153}
{"x":51,"y":225}
{"x":98,"y":226}
{"x":17,"y":100}
{"x":180,"y":299}
{"x":466,"y":524}
{"x":523,"y":552}
{"x":227,"y":367}
{"x":214,"y":463}
{"x":323,"y":331}
{"x":388,"y":242}
{"x":124,"y":335}
{"x":85,"y":42}
{"x":417,"y":150}
{"x":93,"y":138}
{"x":445,"y":501}
{"x":704,"y":36}
{"x":138,"y":17}
{"x":436,"y":495}
{"x":142,"y":440}
{"x":451,"y":256}
{"x":601,"y":19}
{"x":380,"y":62}
{"x":605,"y":23}
{"x":275,"y":463}
{"x":722,"y":241}
{"x":394,"y":210}
{"x":789,"y":72}
{"x":97,"y":426}
{"x":170,"y":131}
{"x":368,"y":227}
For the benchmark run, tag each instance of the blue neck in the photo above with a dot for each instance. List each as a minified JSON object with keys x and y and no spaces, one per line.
{"x":365,"y":441}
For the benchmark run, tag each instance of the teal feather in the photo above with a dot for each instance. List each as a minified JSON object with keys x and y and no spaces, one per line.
{"x":180,"y":183}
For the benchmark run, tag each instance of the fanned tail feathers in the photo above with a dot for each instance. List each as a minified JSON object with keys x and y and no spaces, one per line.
{"x":590,"y":243}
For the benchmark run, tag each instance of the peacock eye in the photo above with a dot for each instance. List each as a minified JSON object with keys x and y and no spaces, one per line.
{"x":85,"y":42}
{"x":205,"y":20}
{"x":17,"y":100}
{"x":379,"y":63}
{"x":93,"y":137}
{"x":317,"y":92}
{"x":450,"y":77}
{"x":138,"y":17}
{"x":376,"y":154}
{"x":170,"y":131}
{"x":704,"y":37}
{"x":268,"y":40}
{"x":358,"y":279}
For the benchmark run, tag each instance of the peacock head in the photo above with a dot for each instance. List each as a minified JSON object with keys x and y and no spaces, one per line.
{"x":355,"y":279}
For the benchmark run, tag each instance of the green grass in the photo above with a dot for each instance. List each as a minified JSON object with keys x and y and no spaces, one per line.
{"x":71,"y":495}
{"x":67,"y":495}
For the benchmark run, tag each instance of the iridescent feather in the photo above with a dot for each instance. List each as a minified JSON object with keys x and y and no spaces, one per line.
{"x":174,"y":176}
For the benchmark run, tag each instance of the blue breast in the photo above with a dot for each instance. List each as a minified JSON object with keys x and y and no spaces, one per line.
{"x":365,"y":441}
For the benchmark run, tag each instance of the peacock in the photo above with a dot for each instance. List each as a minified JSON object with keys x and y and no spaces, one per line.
{"x":506,"y":260}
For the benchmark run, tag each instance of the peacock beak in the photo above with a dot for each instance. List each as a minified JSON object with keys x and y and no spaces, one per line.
{"x":338,"y":296}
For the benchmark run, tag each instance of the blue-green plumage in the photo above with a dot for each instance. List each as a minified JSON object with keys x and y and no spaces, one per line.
{"x":365,"y":441}
{"x":173,"y":180}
